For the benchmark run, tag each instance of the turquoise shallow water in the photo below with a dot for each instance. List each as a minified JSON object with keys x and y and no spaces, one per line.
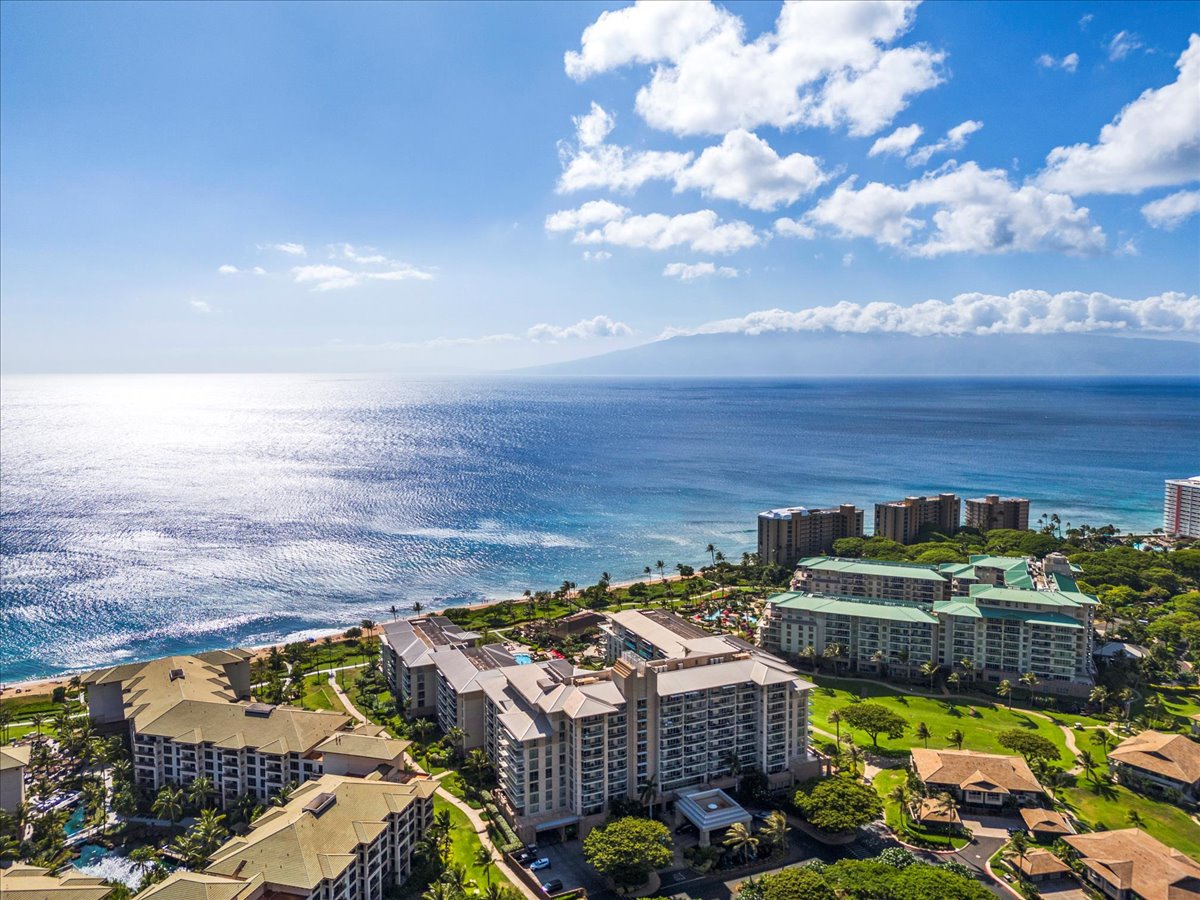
{"x":142,"y":515}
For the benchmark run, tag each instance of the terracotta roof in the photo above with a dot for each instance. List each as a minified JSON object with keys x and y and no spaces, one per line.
{"x":21,"y":882}
{"x":203,"y":886}
{"x":1046,"y":820}
{"x":1171,"y":756}
{"x":931,"y":811}
{"x":1130,"y":859}
{"x":968,"y":770}
{"x":1041,"y":862}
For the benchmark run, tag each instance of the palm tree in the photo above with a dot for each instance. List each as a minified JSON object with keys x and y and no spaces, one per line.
{"x":368,"y":625}
{"x":210,"y":830}
{"x":775,"y":831}
{"x":903,"y":795}
{"x":439,"y":890}
{"x":968,"y":667}
{"x":879,"y":657}
{"x":1134,"y":818}
{"x":187,"y":846}
{"x":395,"y":612}
{"x":284,"y":794}
{"x":712,"y":551}
{"x":836,"y":718}
{"x":648,"y":572}
{"x":954,"y":680}
{"x":1005,"y":689}
{"x":855,"y":753}
{"x":733,"y":762}
{"x":418,"y":606}
{"x":456,"y":736}
{"x":484,"y":859}
{"x":1099,"y":696}
{"x":420,"y":729}
{"x":1102,"y":737}
{"x":929,"y":670}
{"x":660,"y":565}
{"x":37,"y":719}
{"x":810,"y":652}
{"x":168,"y":804}
{"x":1030,"y":680}
{"x":1020,"y":843}
{"x":923,"y":733}
{"x":740,"y":840}
{"x":6,"y":718}
{"x":956,"y":737}
{"x":947,"y":806}
{"x":455,"y":877}
{"x":1084,"y":758}
{"x":199,"y":791}
{"x":648,"y":793}
{"x":145,"y":857}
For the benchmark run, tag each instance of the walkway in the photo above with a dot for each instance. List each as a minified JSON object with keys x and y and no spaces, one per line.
{"x":341,"y":695}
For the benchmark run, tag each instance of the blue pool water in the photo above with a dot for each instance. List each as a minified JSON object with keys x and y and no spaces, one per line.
{"x":74,"y":824}
{"x":523,"y":659}
{"x":147,"y":515}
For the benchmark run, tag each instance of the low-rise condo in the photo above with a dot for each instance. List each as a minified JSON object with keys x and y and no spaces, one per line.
{"x":984,"y":781}
{"x":1167,"y":764}
{"x":1129,"y":864}
{"x":22,"y":882}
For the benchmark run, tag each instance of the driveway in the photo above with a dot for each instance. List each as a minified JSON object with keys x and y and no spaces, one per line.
{"x":1062,"y":889}
{"x":991,"y":826}
{"x":568,"y":865}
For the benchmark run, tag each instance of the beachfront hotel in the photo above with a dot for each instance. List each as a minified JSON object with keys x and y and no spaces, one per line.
{"x":901,"y":520}
{"x":192,"y":716}
{"x":994,"y":511}
{"x":672,"y":709}
{"x":1007,"y":615}
{"x":1181,"y":507}
{"x":335,"y":839}
{"x":785,"y":535}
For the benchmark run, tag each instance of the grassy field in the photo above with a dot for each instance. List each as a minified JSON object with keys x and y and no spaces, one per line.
{"x":980,"y":721}
{"x":319,"y":695}
{"x":1109,"y":806}
{"x":1180,"y":703}
{"x":455,"y":785}
{"x":901,"y":825}
{"x":466,"y":844}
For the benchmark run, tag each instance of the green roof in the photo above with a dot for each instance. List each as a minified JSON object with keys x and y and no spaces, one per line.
{"x":1015,"y":568}
{"x":961,"y":571}
{"x":1030,"y":616}
{"x":879,"y":567}
{"x":1020,"y":595}
{"x":957,"y":608}
{"x":851,"y":606}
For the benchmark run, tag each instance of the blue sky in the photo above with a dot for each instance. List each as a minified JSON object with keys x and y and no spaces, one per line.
{"x":462,"y":205}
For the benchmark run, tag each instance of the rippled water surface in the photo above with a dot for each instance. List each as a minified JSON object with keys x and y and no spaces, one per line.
{"x":148,"y":514}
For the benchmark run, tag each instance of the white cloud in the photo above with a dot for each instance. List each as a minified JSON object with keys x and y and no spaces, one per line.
{"x":1171,"y":211}
{"x":1068,"y":63}
{"x":1153,"y":142}
{"x":955,"y":139}
{"x":1085,"y":20}
{"x":823,"y":64}
{"x":590,"y":163}
{"x":848,"y":260}
{"x":228,"y":270}
{"x":200,"y":306}
{"x":970,"y":210}
{"x":234,"y":270}
{"x":692,"y":271}
{"x":899,"y":142}
{"x":596,"y":255}
{"x":744,"y":168}
{"x":1122,"y":44}
{"x":1021,"y":312}
{"x":593,"y":128}
{"x":326,"y":277}
{"x":794,"y":228}
{"x":591,"y":213}
{"x":702,"y":231}
{"x":291,"y":249}
{"x":583,"y":330}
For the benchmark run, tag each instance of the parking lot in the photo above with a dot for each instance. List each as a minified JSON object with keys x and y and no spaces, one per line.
{"x":568,"y":865}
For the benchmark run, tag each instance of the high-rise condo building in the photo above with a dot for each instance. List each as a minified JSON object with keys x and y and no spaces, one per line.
{"x":1181,"y":507}
{"x":901,"y":520}
{"x":994,"y":511}
{"x":788,"y":534}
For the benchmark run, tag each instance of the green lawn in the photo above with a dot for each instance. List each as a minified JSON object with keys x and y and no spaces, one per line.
{"x":1110,"y":808}
{"x":941,"y":716}
{"x":902,"y":826}
{"x":455,"y":785}
{"x":1180,"y":703}
{"x":465,"y":844}
{"x":319,"y":695}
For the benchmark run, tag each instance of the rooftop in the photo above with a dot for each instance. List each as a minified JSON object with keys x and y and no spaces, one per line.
{"x":1046,"y":820}
{"x":969,"y":770}
{"x":1171,"y":756}
{"x":1041,"y":862}
{"x":414,"y":639}
{"x":1130,"y":859}
{"x":711,"y":809}
{"x":1022,"y":595}
{"x":185,"y":885}
{"x":881,"y":568}
{"x":22,"y":882}
{"x":664,"y":630}
{"x":14,"y":757}
{"x":852,"y":606}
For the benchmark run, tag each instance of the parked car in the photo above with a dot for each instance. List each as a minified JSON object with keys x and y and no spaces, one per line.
{"x":538,"y":864}
{"x":531,"y":849}
{"x":523,"y":856}
{"x":553,"y":886}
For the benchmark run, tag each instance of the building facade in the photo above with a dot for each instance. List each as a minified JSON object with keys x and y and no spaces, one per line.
{"x":13,"y":762}
{"x":788,"y":534}
{"x":902,"y":520}
{"x":406,"y":650}
{"x":1181,"y":507}
{"x":994,"y":511}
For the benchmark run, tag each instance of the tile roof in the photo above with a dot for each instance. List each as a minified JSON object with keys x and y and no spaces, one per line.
{"x":969,"y":770}
{"x":1046,"y":820}
{"x":1171,"y":756}
{"x":14,"y":757}
{"x":1130,"y":859}
{"x":1041,"y":862}
{"x":185,"y":885}
{"x":22,"y":882}
{"x":362,"y":744}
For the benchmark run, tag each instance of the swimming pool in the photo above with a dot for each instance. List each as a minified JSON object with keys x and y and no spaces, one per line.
{"x":523,"y":659}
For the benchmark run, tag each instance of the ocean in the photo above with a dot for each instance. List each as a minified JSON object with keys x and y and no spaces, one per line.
{"x":145,"y":515}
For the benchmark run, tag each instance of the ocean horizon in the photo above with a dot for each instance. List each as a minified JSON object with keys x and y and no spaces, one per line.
{"x":142,"y":515}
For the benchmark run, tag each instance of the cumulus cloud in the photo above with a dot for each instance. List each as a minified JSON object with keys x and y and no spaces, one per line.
{"x":590,"y":163}
{"x":596,"y":328}
{"x":1122,"y":44}
{"x":291,"y":249}
{"x":794,"y":228}
{"x":1153,"y":142}
{"x":744,"y":168}
{"x":826,"y":64}
{"x":692,"y":271}
{"x":955,"y":139}
{"x":702,"y":231}
{"x":1021,"y":312}
{"x":971,"y":210}
{"x":200,"y":306}
{"x":234,"y":270}
{"x":1173,"y":210}
{"x":898,"y":143}
{"x":1068,"y":63}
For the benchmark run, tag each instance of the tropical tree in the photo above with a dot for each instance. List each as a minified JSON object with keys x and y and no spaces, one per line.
{"x":1099,"y":697}
{"x":1029,"y":744}
{"x":954,"y":680}
{"x":929,"y":670}
{"x":199,"y":791}
{"x":836,"y":718}
{"x":1030,"y":681}
{"x":838,"y":805}
{"x":947,"y":807}
{"x":1102,"y":738}
{"x":648,"y":793}
{"x":145,"y":857}
{"x":1085,"y":761}
{"x":485,"y":860}
{"x":711,"y":551}
{"x":956,"y":737}
{"x":455,"y":876}
{"x":418,"y":606}
{"x":873,"y":719}
{"x":1134,"y":818}
{"x":627,"y":850}
{"x":741,"y":841}
{"x":661,"y":566}
{"x":731,"y":761}
{"x":1020,"y":843}
{"x":775,"y":831}
{"x":923,"y":734}
{"x":1005,"y":689}
{"x":168,"y":804}
{"x":902,"y":794}
{"x":968,"y":667}
{"x":210,"y":831}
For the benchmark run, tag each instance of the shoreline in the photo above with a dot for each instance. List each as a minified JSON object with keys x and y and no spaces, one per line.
{"x":47,"y":684}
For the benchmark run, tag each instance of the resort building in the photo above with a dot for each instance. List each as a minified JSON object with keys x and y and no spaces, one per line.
{"x":984,"y":781}
{"x":405,"y":657}
{"x":786,"y":535}
{"x":459,"y":673}
{"x":191,"y":716}
{"x":1041,"y":865}
{"x":1163,"y":763}
{"x":994,"y":511}
{"x":1129,"y":863}
{"x":13,"y":762}
{"x":335,"y":839}
{"x":1181,"y":507}
{"x":1044,"y":825}
{"x":902,"y":520}
{"x":1005,"y":615}
{"x":22,"y":882}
